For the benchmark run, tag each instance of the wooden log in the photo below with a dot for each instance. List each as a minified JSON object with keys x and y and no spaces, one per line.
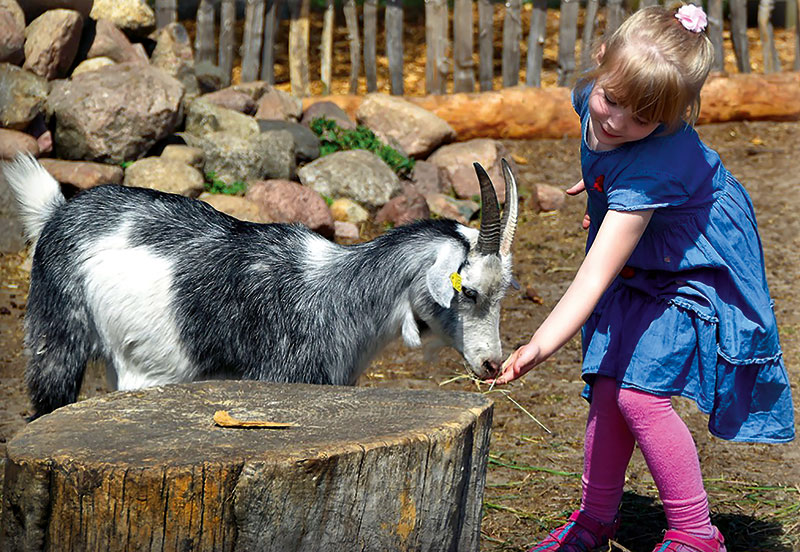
{"x":351,"y":20}
{"x":715,"y":25}
{"x":372,"y":469}
{"x":524,"y":113}
{"x":536,"y":38}
{"x":251,"y":42}
{"x":370,"y":41}
{"x":463,"y":66}
{"x":512,"y":34}
{"x":741,"y":49}
{"x":486,"y":44}
{"x":204,"y":40}
{"x":227,"y":37}
{"x":268,"y":51}
{"x":299,"y":31}
{"x":393,"y":23}
{"x":326,"y":48}
{"x":567,"y":36}
{"x":436,"y":33}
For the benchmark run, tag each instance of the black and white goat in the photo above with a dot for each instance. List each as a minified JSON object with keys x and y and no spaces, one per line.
{"x":166,"y":289}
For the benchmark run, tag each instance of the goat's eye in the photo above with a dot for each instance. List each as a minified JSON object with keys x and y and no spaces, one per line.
{"x":470,"y":294}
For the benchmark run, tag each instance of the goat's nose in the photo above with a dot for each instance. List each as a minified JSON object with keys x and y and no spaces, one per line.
{"x":490,"y":368}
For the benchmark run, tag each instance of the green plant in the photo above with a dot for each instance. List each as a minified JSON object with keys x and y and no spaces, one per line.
{"x":333,"y":138}
{"x":215,"y":185}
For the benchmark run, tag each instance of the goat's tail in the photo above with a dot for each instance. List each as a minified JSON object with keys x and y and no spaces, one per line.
{"x":37,"y":193}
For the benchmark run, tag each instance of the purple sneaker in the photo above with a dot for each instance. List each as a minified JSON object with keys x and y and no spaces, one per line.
{"x":679,"y":541}
{"x":581,"y":534}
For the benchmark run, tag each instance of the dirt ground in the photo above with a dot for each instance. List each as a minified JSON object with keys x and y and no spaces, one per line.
{"x":533,"y":480}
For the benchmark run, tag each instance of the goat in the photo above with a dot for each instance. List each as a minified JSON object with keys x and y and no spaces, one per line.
{"x":165,"y":289}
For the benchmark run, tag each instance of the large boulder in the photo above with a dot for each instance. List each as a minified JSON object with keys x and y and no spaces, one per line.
{"x":395,"y":120}
{"x":204,"y":117}
{"x":132,"y":16}
{"x":12,"y":32}
{"x":286,"y":201}
{"x":306,"y":143}
{"x":51,"y":43}
{"x":110,"y":42}
{"x":83,"y":174}
{"x":166,"y":175}
{"x":116,"y":113}
{"x":356,"y":174}
{"x":23,"y":96}
{"x":173,"y":54}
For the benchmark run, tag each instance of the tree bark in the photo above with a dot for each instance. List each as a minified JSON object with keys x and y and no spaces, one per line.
{"x":372,"y":469}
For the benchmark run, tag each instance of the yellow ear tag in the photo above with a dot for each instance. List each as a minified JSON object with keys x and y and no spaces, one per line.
{"x":455,"y":278}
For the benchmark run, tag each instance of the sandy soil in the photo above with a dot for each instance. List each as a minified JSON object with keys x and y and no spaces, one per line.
{"x":533,"y":481}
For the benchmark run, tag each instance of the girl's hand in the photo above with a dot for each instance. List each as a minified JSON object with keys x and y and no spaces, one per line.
{"x":575,"y":190}
{"x":519,"y":363}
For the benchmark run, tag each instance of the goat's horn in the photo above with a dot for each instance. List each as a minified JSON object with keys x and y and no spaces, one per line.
{"x":489,"y":237}
{"x":509,"y":222}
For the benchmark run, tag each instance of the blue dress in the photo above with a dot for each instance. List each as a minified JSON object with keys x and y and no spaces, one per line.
{"x":690,"y":314}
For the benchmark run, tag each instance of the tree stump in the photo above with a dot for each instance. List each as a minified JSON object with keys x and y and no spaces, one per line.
{"x":360,"y":469}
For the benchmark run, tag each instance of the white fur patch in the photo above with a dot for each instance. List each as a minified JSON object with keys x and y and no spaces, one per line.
{"x":128,"y":291}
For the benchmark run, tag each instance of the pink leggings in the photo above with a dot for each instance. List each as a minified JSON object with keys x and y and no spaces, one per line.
{"x":618,"y":418}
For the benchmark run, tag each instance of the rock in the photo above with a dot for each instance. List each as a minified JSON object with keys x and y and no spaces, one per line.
{"x":13,"y":142}
{"x":92,"y":64}
{"x":232,"y":158}
{"x":173,"y":54}
{"x":550,"y":198}
{"x":235,"y":206}
{"x":83,"y":174}
{"x":254,"y":89}
{"x":133,"y":16}
{"x":112,"y":43}
{"x":455,"y":162}
{"x":355,"y":174}
{"x":204,"y":117}
{"x":285,"y":201}
{"x":12,"y":235}
{"x":166,"y":175}
{"x":231,"y":99}
{"x":345,"y":231}
{"x":277,"y":104}
{"x":193,"y":157}
{"x":426,"y":178}
{"x":13,"y":8}
{"x":306,"y":143}
{"x":347,"y":210}
{"x":51,"y":42}
{"x":39,"y":130}
{"x":416,"y":130}
{"x":23,"y":96}
{"x":329,"y":110}
{"x":403,"y":209}
{"x":445,"y":206}
{"x":210,"y":77}
{"x":12,"y":37}
{"x":116,"y":113}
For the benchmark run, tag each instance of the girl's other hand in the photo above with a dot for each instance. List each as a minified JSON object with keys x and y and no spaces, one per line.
{"x":519,"y":363}
{"x":575,"y":190}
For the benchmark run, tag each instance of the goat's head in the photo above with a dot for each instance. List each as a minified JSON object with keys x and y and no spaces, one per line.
{"x":468,"y":289}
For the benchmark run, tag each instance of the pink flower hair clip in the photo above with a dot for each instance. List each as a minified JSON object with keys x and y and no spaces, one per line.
{"x":692,"y":17}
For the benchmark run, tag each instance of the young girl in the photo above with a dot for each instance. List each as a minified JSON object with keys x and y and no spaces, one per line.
{"x":672,"y":295}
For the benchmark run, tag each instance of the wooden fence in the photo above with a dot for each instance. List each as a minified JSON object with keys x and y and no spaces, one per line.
{"x":260,"y":35}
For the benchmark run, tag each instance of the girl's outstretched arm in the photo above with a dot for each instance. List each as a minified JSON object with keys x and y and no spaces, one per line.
{"x":618,"y":235}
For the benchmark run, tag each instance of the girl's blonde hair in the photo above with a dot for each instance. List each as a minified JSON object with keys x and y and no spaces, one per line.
{"x":655,"y":66}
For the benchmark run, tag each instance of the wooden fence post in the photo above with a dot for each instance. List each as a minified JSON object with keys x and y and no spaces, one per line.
{"x":512,"y":34}
{"x":299,"y":29}
{"x":715,"y":23}
{"x":204,"y":39}
{"x":587,"y":38}
{"x":486,"y":44}
{"x":393,"y":23}
{"x":227,"y":37}
{"x":463,"y":73}
{"x":536,"y":37}
{"x":771,"y":62}
{"x":268,"y":50}
{"x":741,"y":49}
{"x":796,"y":65}
{"x":567,"y":36}
{"x":614,"y":15}
{"x":351,"y":19}
{"x":166,"y":12}
{"x":436,"y":33}
{"x":326,"y":48}
{"x":370,"y":36}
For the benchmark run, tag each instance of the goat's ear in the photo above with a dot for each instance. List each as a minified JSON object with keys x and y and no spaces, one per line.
{"x":438,"y":276}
